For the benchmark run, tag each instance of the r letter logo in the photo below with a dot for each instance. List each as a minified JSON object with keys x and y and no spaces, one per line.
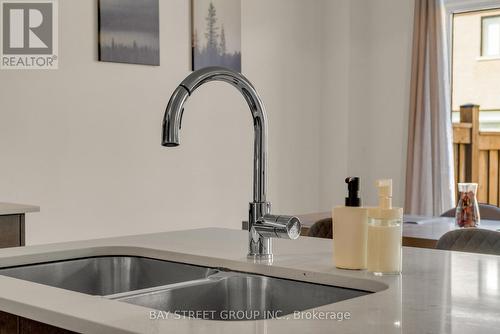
{"x":29,"y":34}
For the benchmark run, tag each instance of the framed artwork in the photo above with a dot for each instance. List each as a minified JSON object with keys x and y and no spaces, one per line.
{"x":216,"y":33}
{"x":129,"y":31}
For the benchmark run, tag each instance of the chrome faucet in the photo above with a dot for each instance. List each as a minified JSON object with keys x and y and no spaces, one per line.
{"x":262,"y":226}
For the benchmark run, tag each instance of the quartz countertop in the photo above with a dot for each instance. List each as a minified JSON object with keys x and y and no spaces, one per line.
{"x":438,"y":292}
{"x":15,"y":209}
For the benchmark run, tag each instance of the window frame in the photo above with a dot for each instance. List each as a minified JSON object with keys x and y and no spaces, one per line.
{"x":481,"y":52}
{"x":452,"y":7}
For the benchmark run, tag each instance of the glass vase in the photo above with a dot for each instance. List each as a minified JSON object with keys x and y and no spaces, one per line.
{"x":467,"y":214}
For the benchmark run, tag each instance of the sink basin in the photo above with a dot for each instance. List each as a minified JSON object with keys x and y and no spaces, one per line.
{"x":107,"y":275}
{"x":186,"y":290}
{"x":239,"y":296}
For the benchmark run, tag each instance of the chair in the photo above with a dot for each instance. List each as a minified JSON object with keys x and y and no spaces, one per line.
{"x":486,"y":211}
{"x":321,"y":229}
{"x":474,"y":240}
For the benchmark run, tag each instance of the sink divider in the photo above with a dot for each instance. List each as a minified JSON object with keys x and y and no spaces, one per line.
{"x":211,"y":278}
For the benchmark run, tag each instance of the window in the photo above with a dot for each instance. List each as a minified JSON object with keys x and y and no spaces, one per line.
{"x":475,"y":62}
{"x":490,"y":36}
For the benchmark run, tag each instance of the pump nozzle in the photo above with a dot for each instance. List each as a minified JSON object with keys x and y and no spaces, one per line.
{"x":352,"y":198}
{"x":384,"y":193}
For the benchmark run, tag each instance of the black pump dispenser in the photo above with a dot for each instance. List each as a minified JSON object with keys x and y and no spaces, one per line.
{"x":353,"y":189}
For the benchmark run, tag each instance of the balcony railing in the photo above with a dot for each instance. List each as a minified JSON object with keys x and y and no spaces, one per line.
{"x":489,"y":120}
{"x":476,"y":155}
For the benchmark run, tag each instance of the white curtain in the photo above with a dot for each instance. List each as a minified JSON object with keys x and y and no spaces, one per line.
{"x":430,"y":188}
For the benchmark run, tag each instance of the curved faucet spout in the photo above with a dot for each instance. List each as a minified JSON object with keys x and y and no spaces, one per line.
{"x":175,"y":108}
{"x":262,"y":226}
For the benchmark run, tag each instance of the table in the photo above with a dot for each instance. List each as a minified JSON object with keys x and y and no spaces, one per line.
{"x":418,"y":231}
{"x":426,"y":233}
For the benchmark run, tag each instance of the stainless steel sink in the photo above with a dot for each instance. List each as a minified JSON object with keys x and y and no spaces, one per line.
{"x":186,"y":290}
{"x":107,"y":275}
{"x":239,"y":296}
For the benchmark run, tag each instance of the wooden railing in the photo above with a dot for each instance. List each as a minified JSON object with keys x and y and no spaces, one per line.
{"x":476,"y":155}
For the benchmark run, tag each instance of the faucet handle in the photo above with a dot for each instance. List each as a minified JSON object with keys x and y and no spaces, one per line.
{"x":279,"y":226}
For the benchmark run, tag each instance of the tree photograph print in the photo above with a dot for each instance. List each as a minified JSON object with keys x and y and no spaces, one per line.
{"x":216,"y":34}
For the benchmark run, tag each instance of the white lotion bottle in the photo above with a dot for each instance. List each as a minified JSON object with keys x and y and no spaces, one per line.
{"x":350,"y":223}
{"x":385,"y":233}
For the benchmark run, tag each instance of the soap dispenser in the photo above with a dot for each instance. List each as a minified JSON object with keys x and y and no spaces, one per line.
{"x":385,"y":233}
{"x":350,"y":229}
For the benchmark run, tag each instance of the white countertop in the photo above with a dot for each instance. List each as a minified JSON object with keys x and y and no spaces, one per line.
{"x":15,"y":209}
{"x":438,"y":292}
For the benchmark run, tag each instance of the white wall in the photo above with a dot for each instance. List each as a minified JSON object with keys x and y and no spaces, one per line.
{"x":366,"y":77}
{"x":335,"y":86}
{"x":83,"y":142}
{"x":381,"y":41}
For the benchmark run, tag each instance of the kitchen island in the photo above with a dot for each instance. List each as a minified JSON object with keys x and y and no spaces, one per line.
{"x":438,"y":292}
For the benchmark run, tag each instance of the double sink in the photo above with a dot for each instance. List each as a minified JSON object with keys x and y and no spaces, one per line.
{"x":183,"y":289}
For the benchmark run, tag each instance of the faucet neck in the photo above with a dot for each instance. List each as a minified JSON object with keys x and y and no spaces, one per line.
{"x":262,"y":226}
{"x":259,"y":116}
